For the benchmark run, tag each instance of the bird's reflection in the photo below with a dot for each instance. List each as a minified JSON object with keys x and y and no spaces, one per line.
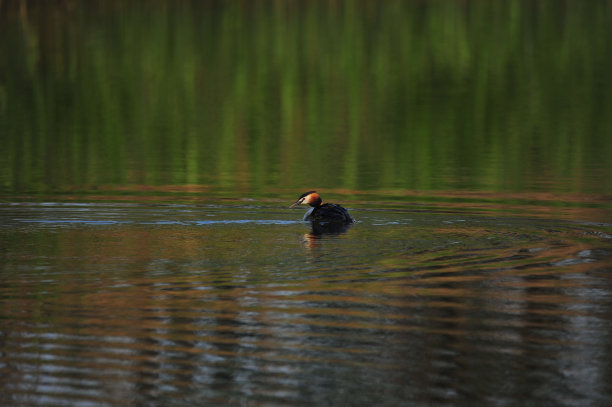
{"x":329,"y":228}
{"x":321,"y":229}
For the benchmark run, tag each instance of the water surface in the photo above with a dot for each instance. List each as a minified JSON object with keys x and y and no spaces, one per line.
{"x":252,"y":97}
{"x":149,"y":152}
{"x":110,"y":303}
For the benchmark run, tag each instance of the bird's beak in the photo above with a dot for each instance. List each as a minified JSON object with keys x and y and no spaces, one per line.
{"x":299,"y":201}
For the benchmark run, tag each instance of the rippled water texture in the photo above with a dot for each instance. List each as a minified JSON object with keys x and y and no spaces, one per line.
{"x":149,"y":151}
{"x":234,"y":304}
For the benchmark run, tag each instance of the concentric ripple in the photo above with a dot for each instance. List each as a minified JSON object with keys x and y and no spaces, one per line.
{"x":189,"y":305}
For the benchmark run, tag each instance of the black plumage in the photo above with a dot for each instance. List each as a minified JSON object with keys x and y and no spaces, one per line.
{"x":329,"y":213}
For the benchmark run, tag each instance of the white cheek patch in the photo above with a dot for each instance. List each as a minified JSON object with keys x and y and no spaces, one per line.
{"x":311,"y":198}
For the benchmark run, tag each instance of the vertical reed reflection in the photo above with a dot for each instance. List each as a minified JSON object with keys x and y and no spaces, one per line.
{"x":243,"y":95}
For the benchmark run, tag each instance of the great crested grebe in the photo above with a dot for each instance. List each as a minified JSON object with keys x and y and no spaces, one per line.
{"x":320,"y":212}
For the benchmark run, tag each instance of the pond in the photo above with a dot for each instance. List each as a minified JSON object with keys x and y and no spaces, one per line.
{"x":150,"y":151}
{"x":241,"y":303}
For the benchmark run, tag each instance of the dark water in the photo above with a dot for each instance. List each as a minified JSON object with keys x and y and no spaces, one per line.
{"x":149,"y":151}
{"x":240,"y":304}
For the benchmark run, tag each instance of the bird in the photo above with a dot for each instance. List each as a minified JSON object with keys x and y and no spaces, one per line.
{"x":322,"y":213}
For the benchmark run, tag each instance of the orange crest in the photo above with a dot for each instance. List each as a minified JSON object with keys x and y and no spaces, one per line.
{"x":312,"y":198}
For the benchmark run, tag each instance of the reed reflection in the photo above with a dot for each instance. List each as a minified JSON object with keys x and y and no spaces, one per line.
{"x":243,"y":96}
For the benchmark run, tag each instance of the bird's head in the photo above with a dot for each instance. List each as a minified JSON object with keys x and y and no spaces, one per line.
{"x":308,"y":198}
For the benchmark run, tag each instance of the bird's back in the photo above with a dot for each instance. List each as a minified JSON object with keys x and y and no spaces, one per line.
{"x":331,"y":213}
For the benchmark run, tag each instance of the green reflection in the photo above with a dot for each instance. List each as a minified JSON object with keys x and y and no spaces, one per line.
{"x":252,"y":96}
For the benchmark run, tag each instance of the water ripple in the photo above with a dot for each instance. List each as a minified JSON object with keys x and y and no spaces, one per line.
{"x":141,"y":305}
